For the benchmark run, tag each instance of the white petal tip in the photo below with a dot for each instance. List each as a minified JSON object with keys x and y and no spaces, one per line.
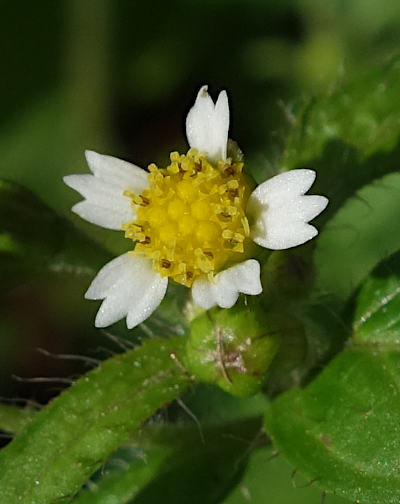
{"x":282,"y":240}
{"x":301,"y":179}
{"x":90,"y":155}
{"x":77,"y":209}
{"x":308,"y":174}
{"x":281,"y":210}
{"x":222,"y":99}
{"x":224,"y":292}
{"x":324,"y":202}
{"x":99,"y":323}
{"x":207,"y":124}
{"x":203,"y":91}
{"x":130,"y":288}
{"x":84,"y":211}
{"x":90,"y":295}
{"x":67,"y":179}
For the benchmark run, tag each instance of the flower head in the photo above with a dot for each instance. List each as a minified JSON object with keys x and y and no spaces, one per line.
{"x":193,"y":221}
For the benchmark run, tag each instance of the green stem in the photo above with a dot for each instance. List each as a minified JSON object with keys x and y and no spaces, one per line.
{"x":71,"y":438}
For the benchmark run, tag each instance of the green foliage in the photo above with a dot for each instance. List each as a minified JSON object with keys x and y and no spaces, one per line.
{"x":209,"y":469}
{"x":343,"y":429}
{"x":71,"y":438}
{"x":13,"y":419}
{"x":269,"y":476}
{"x":350,"y":136}
{"x":377,"y":314}
{"x":358,"y":237}
{"x":205,"y":473}
{"x":363,"y":113}
{"x":35,"y":239}
{"x":122,"y":484}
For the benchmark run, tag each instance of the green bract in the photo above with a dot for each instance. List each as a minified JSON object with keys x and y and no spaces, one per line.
{"x":232,"y":348}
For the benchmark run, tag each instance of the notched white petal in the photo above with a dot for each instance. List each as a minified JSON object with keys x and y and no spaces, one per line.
{"x":284,"y":186}
{"x":224,"y":291}
{"x":130,"y":288}
{"x":105,"y":203}
{"x":280,"y":211}
{"x":207,"y":124}
{"x":117,"y":171}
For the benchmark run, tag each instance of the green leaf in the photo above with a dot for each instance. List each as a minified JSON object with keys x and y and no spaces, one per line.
{"x":377,"y":314}
{"x":350,"y":136}
{"x":160,"y":468}
{"x":13,"y":419}
{"x":208,"y":470}
{"x":71,"y":438}
{"x":343,"y":429}
{"x":310,"y":336}
{"x":34,"y":238}
{"x":269,"y":479}
{"x":359,"y":236}
{"x":123,"y":484}
{"x":364,"y":113}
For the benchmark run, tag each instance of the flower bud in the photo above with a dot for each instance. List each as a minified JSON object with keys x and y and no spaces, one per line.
{"x":232,"y":348}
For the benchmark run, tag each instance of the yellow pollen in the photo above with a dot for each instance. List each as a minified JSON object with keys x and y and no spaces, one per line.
{"x":168,"y":232}
{"x":187,"y":190}
{"x":187,"y":224}
{"x":156,"y":216}
{"x":176,"y":209}
{"x":191,"y":220}
{"x":200,"y":209}
{"x":208,"y":232}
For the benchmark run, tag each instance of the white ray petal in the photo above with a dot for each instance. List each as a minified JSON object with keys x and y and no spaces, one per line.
{"x":105,"y":203}
{"x":110,"y":218}
{"x":207,"y":125}
{"x":284,"y":186}
{"x":280,"y":210}
{"x":224,"y":291}
{"x":130,"y":288}
{"x":117,"y":171}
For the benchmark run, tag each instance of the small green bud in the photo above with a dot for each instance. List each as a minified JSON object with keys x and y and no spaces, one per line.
{"x":232,"y":348}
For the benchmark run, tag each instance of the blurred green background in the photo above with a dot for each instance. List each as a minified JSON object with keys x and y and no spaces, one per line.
{"x":119,"y":77}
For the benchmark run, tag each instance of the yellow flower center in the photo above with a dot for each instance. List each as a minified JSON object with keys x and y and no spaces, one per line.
{"x":191,"y":220}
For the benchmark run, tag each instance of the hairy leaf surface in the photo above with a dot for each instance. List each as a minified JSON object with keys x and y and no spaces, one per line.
{"x":343,"y":429}
{"x":71,"y":438}
{"x":358,"y":237}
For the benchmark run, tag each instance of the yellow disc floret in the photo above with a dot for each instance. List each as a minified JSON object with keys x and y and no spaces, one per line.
{"x":191,"y":219}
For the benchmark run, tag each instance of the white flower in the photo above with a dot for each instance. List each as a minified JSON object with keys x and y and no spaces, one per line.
{"x":192,"y":221}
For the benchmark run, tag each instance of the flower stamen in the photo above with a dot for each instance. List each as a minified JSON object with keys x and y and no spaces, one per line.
{"x":191,"y":220}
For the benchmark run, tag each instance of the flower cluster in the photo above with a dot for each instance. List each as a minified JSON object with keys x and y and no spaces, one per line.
{"x":193,"y":221}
